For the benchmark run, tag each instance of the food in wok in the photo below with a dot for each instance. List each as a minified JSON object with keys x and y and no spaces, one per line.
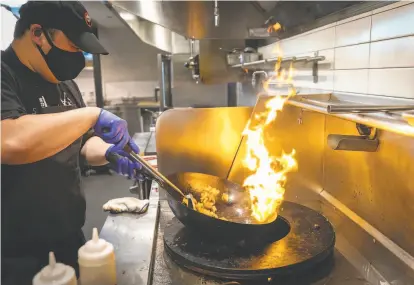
{"x":207,"y":201}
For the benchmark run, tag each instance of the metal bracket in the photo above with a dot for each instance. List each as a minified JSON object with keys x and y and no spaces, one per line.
{"x":367,"y":131}
{"x":142,"y":188}
{"x":315,"y":69}
{"x":366,"y":142}
{"x":300,"y":117}
{"x":254,"y":80}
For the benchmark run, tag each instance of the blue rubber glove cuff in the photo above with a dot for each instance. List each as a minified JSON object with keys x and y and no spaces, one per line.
{"x":123,"y":165}
{"x":113,"y":130}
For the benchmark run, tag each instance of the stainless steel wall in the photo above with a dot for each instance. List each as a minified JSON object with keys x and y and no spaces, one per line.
{"x":185,"y":91}
{"x":199,"y":140}
{"x":378,"y":187}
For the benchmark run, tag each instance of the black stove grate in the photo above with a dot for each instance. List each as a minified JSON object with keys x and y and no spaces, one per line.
{"x":302,"y":239}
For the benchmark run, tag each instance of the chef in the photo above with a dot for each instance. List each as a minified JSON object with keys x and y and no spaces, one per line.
{"x":45,"y":127}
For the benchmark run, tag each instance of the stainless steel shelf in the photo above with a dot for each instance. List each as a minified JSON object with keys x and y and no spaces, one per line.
{"x":389,"y":121}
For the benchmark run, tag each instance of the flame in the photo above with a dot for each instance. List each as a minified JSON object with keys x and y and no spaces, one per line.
{"x":274,"y":28}
{"x":266,"y":183}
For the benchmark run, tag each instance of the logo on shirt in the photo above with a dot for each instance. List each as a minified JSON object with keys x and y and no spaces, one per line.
{"x":42,"y":102}
{"x":66,"y":101}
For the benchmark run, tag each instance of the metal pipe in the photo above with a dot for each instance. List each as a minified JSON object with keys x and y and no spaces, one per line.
{"x":192,"y":47}
{"x":274,"y":59}
{"x":165,"y":78}
{"x":387,"y":124}
{"x":97,"y":76}
{"x":339,"y":109}
{"x":216,"y":14}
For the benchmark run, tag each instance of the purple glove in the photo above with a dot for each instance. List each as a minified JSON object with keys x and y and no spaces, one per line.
{"x":123,"y":165}
{"x":112,"y":129}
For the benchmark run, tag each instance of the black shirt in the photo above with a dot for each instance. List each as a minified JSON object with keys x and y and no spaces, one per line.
{"x":41,"y":200}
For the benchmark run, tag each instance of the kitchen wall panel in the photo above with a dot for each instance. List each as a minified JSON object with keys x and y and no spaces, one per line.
{"x":354,"y":81}
{"x":397,"y":22}
{"x":392,"y":53}
{"x":377,"y":47}
{"x":320,"y":40}
{"x":354,"y":18}
{"x":352,"y":57}
{"x":304,"y":78}
{"x":391,"y":6}
{"x":354,"y":32}
{"x":394,"y":82}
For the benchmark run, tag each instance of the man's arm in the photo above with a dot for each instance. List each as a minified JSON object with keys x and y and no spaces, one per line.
{"x":31,"y":138}
{"x":93,"y":148}
{"x":94,"y":151}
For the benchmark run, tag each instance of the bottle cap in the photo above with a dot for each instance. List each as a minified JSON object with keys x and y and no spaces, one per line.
{"x":55,"y":273}
{"x":96,"y":251}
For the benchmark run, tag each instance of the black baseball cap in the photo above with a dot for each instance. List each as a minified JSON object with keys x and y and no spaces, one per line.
{"x":70,"y":17}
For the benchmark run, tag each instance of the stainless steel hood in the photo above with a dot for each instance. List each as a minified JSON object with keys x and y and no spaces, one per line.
{"x":196,"y":19}
{"x":241,"y":19}
{"x":154,"y":34}
{"x":164,"y":40}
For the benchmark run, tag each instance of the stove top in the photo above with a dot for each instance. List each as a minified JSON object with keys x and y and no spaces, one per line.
{"x":333,"y":269}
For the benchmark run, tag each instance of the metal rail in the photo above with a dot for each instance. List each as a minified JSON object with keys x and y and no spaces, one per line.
{"x":388,"y":123}
{"x":339,"y":109}
{"x":283,"y":60}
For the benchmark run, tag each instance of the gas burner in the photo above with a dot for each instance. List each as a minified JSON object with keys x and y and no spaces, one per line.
{"x":301,"y":240}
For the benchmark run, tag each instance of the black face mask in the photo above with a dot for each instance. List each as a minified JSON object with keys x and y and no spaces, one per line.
{"x":64,"y":65}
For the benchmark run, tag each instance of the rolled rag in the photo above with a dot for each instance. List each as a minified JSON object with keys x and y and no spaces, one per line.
{"x":126,"y":205}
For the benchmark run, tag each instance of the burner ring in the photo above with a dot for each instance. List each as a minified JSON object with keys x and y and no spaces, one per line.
{"x":302,"y":239}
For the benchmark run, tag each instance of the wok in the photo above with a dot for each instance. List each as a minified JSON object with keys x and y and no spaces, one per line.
{"x":236,"y":210}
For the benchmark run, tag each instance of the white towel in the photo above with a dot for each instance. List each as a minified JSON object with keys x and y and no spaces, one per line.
{"x":126,"y":205}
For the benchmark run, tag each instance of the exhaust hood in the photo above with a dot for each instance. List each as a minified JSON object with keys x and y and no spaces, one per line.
{"x":239,"y":19}
{"x":153,"y":34}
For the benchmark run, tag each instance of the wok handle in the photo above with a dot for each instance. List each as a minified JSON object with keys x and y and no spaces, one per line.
{"x":113,"y":157}
{"x":154,"y":174}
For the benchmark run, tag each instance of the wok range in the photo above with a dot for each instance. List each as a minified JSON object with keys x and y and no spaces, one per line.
{"x":232,"y":244}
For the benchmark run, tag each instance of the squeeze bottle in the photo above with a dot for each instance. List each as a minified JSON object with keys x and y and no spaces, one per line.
{"x":55,"y":274}
{"x":97,"y":262}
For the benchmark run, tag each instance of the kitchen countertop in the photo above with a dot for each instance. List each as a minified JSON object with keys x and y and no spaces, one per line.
{"x":132,"y":236}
